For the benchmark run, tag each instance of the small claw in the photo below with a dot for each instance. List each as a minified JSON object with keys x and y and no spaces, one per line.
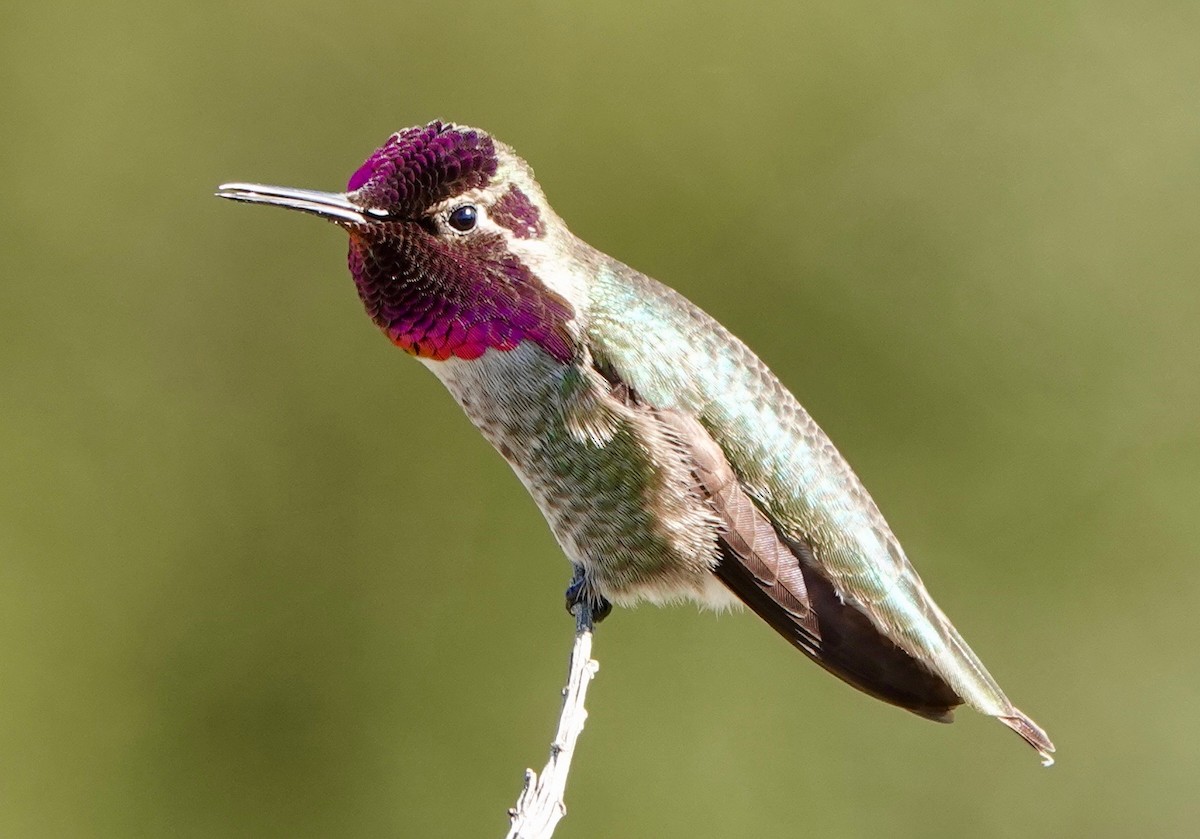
{"x":601,"y":609}
{"x":580,"y":591}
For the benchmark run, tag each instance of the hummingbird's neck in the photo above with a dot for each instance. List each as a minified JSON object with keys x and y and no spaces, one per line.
{"x":457,"y":304}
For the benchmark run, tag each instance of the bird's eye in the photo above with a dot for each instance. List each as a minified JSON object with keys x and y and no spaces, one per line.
{"x":463,"y":218}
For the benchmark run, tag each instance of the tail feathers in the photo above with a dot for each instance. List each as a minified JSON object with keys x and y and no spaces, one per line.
{"x":1031,"y":733}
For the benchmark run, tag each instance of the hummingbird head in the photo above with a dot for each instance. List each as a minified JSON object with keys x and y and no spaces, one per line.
{"x":448,"y":234}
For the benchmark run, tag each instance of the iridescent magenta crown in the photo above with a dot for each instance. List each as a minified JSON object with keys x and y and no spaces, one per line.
{"x":421,"y":166}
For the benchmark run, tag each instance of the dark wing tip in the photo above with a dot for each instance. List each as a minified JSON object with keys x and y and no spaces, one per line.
{"x":1031,"y":733}
{"x":942,"y":715}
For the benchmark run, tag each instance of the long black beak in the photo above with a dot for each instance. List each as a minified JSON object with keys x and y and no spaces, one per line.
{"x":330,"y":205}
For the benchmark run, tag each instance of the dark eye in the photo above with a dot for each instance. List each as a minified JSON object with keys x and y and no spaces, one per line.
{"x":463,"y":218}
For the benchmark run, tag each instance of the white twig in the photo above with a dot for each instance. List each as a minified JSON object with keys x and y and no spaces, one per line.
{"x":541,"y":805}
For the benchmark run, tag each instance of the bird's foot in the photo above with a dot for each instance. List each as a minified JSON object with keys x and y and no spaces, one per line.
{"x":580,"y":591}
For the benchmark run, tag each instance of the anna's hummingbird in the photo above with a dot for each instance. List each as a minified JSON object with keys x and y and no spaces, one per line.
{"x":669,"y":462}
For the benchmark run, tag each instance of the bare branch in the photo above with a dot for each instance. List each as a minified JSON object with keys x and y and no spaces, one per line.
{"x":541,"y":803}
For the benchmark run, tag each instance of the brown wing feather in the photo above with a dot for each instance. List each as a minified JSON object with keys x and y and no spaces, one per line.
{"x":780,"y":581}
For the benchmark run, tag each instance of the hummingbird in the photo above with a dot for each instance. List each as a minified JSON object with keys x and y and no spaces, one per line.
{"x":668,"y":460}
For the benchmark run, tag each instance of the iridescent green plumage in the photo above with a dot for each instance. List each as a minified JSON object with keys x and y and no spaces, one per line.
{"x":792,"y":473}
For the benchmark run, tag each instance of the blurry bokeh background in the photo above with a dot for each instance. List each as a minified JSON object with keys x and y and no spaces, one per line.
{"x":260,"y":578}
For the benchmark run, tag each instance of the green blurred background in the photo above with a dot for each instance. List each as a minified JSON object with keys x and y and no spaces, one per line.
{"x":260,"y":578}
